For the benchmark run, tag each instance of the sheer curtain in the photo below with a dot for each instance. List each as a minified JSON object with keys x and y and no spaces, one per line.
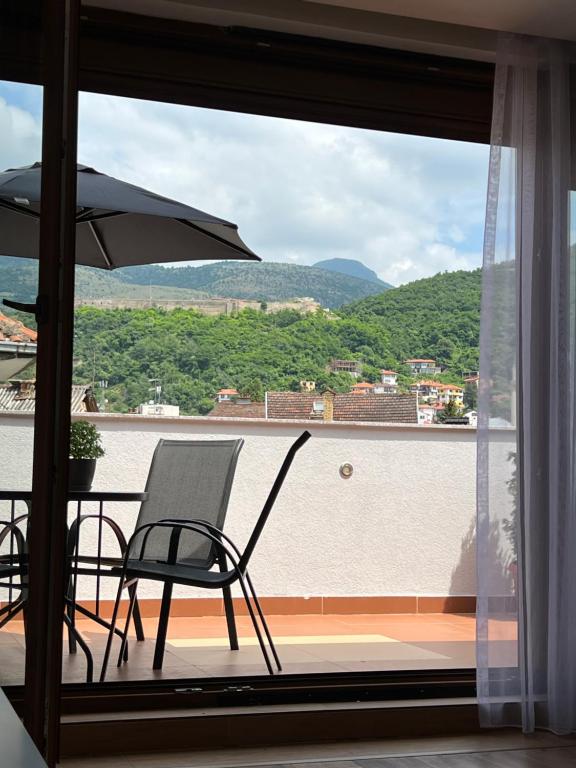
{"x":526,"y":437}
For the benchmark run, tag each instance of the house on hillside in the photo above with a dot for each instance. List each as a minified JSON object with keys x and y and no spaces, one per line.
{"x":420,"y":366}
{"x":447,"y":392}
{"x":363,"y":388}
{"x":426,"y":413}
{"x":427,"y":389}
{"x":226,"y":395}
{"x":472,"y":381}
{"x":353,"y":367}
{"x":388,"y":383}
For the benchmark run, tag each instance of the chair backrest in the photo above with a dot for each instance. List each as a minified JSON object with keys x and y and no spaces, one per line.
{"x":188,"y":479}
{"x":275,"y":490}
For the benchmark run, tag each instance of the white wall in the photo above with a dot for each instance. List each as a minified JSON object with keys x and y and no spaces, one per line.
{"x":401,"y":525}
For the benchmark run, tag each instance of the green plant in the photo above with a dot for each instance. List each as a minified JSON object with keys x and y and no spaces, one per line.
{"x":509,"y":523}
{"x":85,"y":442}
{"x":451,"y":411}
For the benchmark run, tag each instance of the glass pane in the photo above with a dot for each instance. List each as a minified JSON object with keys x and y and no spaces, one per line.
{"x":20,"y":145}
{"x":360,"y":324}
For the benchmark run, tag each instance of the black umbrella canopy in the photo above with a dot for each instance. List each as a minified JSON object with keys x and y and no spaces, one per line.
{"x":117,"y":224}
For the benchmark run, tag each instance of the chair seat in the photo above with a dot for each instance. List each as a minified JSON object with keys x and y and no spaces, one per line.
{"x":180,"y":573}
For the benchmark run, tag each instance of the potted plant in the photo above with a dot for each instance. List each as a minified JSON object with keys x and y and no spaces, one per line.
{"x":85,"y":448}
{"x":509,"y":523}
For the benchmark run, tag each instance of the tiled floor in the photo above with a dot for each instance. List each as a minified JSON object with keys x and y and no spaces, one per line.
{"x":197,"y":647}
{"x":501,"y":748}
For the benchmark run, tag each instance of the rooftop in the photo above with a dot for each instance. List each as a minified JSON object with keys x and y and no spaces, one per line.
{"x":14,"y":330}
{"x":383,"y":408}
{"x":21,"y":396}
{"x":238,"y":410}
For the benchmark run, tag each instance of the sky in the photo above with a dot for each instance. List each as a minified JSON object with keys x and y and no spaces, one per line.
{"x":407,"y":207}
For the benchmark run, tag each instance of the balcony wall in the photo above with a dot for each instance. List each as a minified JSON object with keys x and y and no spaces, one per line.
{"x":401,"y":525}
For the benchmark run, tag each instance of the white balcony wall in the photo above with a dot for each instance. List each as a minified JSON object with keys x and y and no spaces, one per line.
{"x":402,"y":524}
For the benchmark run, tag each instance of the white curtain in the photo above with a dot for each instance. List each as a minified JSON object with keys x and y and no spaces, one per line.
{"x":526,"y":438}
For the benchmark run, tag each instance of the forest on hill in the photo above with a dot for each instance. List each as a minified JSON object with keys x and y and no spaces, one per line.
{"x":195,"y":355}
{"x":229,"y":279}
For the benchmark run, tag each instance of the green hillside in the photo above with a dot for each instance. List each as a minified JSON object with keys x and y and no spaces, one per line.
{"x":195,"y":355}
{"x":269,"y":281}
{"x":240,"y":280}
{"x":19,"y":280}
{"x":437,"y":317}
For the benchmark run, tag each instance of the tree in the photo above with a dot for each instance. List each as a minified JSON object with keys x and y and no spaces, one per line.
{"x":254,"y":389}
{"x":451,"y":411}
{"x":471,"y":396}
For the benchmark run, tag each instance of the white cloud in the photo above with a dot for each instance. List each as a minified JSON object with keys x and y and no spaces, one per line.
{"x":20,"y":136}
{"x":406,"y":206}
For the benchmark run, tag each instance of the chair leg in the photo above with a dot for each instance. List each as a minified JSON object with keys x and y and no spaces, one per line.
{"x":70,"y":612}
{"x":112,"y":630}
{"x":84,"y":646}
{"x":123,"y":655}
{"x":230,"y":619}
{"x":255,"y":623}
{"x":138,"y":625}
{"x":264,"y":623}
{"x":162,"y":625}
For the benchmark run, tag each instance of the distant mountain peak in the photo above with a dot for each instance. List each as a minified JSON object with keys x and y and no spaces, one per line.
{"x":352,"y":268}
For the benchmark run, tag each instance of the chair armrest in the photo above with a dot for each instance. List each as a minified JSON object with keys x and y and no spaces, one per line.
{"x":11,"y":527}
{"x":74,"y":532}
{"x":177,"y":526}
{"x":210,"y":527}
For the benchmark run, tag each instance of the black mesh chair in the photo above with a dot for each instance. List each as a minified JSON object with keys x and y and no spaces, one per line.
{"x":13,"y":569}
{"x":184,"y":475}
{"x":179,"y":549}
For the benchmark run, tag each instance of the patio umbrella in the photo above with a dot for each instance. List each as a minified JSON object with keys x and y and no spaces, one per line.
{"x":117,"y":224}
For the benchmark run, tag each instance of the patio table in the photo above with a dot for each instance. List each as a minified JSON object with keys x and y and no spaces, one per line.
{"x":95,"y":562}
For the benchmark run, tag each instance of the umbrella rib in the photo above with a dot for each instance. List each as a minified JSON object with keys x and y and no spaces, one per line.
{"x":100,"y":243}
{"x":218,"y":238}
{"x":19,"y":209}
{"x":88,"y":215}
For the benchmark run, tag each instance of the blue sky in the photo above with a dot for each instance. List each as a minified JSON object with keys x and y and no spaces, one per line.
{"x":407,"y":206}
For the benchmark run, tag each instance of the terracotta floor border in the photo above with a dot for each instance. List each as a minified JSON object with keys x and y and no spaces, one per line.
{"x":319,"y":606}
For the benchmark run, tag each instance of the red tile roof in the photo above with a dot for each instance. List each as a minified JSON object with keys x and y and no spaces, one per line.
{"x":227,"y":410}
{"x":363,"y":385}
{"x":14,"y":330}
{"x":394,"y":373}
{"x":419,"y":360}
{"x":227,"y":391}
{"x":382,"y":408}
{"x":429,"y":383}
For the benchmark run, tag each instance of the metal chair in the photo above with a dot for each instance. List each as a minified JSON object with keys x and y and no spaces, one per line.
{"x":13,"y":569}
{"x":160,"y":550}
{"x":183,"y":475}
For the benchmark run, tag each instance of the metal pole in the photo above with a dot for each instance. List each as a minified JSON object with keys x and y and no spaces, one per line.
{"x":54,"y":309}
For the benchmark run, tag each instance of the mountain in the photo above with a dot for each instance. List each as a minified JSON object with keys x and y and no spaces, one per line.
{"x":19,"y":281}
{"x":261,"y":281}
{"x":353,"y":268}
{"x":436,"y":317}
{"x":267,"y":281}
